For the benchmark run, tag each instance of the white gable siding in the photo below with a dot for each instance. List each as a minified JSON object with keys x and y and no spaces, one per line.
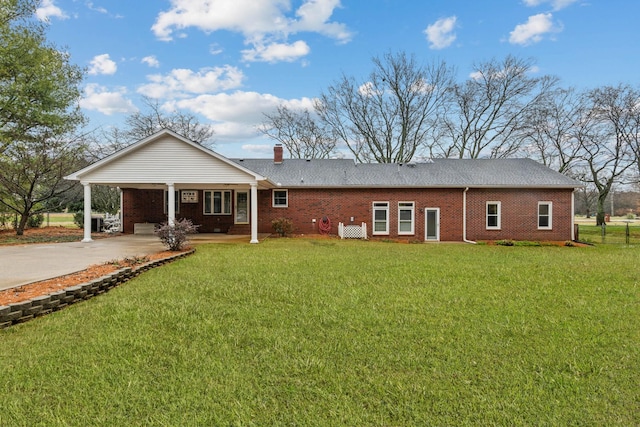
{"x":168,"y":160}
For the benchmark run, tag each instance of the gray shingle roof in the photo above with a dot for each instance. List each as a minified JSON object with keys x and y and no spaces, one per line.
{"x":438,"y":173}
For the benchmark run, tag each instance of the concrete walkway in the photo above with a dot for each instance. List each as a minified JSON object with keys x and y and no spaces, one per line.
{"x":23,"y":264}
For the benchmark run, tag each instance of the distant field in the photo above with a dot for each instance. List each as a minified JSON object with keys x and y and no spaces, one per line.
{"x":58,"y":220}
{"x":614,"y":232}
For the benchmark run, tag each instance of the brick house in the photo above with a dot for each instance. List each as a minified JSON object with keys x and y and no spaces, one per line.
{"x":166,"y":177}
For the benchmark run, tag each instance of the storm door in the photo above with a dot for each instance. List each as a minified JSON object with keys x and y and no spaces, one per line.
{"x":432,"y":224}
{"x":242,"y":207}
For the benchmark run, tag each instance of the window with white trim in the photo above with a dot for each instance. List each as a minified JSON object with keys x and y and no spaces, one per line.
{"x":217,"y":202}
{"x":380,"y":218}
{"x":166,"y":201}
{"x":545,"y":210}
{"x":493,"y":215}
{"x":406,"y":215}
{"x":280,"y":198}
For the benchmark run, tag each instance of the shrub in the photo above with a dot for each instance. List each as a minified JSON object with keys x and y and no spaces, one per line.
{"x":526,"y":243}
{"x":505,"y":242}
{"x":78,"y":219}
{"x":35,"y":220}
{"x":282,"y":226}
{"x":5,"y":220}
{"x":175,"y":237}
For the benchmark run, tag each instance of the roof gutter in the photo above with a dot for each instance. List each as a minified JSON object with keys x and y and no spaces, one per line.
{"x":464,"y":217}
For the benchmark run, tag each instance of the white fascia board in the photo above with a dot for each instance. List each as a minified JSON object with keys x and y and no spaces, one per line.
{"x":77,"y":176}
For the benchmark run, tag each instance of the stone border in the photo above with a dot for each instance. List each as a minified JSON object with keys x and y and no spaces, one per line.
{"x":24,"y":311}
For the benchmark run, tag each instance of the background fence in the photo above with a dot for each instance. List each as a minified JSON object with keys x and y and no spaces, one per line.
{"x":622,"y":233}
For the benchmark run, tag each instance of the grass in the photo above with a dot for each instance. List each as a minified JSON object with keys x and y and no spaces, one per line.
{"x":59,"y":219}
{"x":324,"y":332}
{"x":614,"y":234}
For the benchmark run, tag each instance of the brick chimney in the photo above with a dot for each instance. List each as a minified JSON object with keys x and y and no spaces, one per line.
{"x":277,"y":154}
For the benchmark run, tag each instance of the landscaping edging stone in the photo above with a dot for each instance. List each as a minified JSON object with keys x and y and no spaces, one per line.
{"x":24,"y":311}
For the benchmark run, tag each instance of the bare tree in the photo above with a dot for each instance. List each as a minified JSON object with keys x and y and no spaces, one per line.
{"x":548,"y":129}
{"x":142,"y":124}
{"x":388,"y":117}
{"x":630,"y":126}
{"x":603,"y":134}
{"x":301,"y":135}
{"x":487,"y":114}
{"x":33,"y":171}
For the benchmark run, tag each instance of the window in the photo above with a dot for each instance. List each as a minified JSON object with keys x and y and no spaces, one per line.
{"x":405,"y":217}
{"x":493,"y":215}
{"x":166,"y":201}
{"x":217,"y":202}
{"x":544,"y":215}
{"x":380,"y":217}
{"x":280,"y":198}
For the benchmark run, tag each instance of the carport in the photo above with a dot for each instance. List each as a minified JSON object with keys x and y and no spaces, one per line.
{"x":182,"y":169}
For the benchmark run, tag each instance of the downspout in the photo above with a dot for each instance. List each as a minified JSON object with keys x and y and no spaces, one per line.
{"x":573,"y":215}
{"x":464,"y":217}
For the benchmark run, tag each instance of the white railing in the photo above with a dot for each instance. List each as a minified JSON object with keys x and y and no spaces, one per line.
{"x":352,"y":231}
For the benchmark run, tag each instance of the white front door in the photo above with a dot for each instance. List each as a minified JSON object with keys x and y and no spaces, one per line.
{"x":432,"y":224}
{"x":242,"y":207}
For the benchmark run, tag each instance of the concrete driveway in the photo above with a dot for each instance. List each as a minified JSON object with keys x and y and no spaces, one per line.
{"x":22,"y":264}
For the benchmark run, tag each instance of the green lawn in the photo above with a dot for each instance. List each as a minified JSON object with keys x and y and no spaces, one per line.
{"x":58,"y":219}
{"x":327,"y":332}
{"x":613,"y":233}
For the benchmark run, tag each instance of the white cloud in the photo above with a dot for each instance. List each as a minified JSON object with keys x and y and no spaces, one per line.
{"x":98,"y":9}
{"x":476,"y":75}
{"x":151,"y":61}
{"x":314,"y":16}
{"x":102,"y":64}
{"x":48,"y":9}
{"x":98,"y":98}
{"x":275,"y":52}
{"x":533,"y":30}
{"x":440,"y":34}
{"x":181,"y":82}
{"x":258,"y":148}
{"x":236,"y":115}
{"x":215,"y":49}
{"x":262,"y":23}
{"x":555,"y":4}
{"x":367,"y":89}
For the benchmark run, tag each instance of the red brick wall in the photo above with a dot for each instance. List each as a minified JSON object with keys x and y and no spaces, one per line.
{"x":519,"y":214}
{"x":141,"y":206}
{"x":339,"y":205}
{"x":148,"y":206}
{"x":519,"y":210}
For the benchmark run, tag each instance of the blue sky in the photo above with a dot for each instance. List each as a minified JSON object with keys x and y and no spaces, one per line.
{"x":229,"y":61}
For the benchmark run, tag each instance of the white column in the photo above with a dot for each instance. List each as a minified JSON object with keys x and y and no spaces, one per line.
{"x":120,"y":213}
{"x":87,"y":212}
{"x":171,"y":209}
{"x":254,"y":213}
